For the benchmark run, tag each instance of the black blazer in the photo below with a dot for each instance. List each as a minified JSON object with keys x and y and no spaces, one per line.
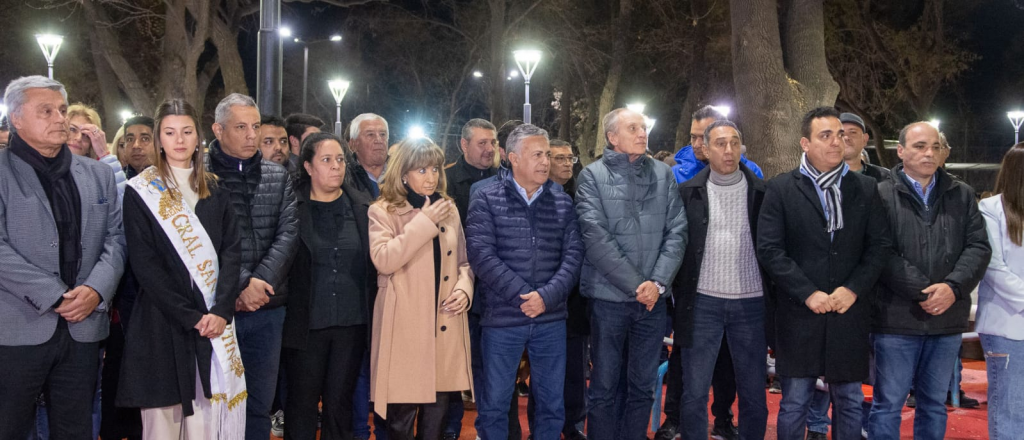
{"x":300,"y":277}
{"x":162,"y":349}
{"x":695,"y":200}
{"x":796,"y":250}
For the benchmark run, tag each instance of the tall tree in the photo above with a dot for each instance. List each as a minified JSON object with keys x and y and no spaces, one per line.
{"x":621,"y":45}
{"x":779,"y":72}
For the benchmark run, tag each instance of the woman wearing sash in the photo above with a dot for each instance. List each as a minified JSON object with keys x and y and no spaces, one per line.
{"x":420,"y":346}
{"x":181,"y":364}
{"x":329,"y":285}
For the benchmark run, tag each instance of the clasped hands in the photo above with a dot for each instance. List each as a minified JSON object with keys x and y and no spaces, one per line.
{"x":256,"y":295}
{"x":839,"y":301}
{"x":647,"y":294}
{"x":78,"y":303}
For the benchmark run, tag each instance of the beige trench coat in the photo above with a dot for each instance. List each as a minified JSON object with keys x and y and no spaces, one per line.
{"x":417,"y":350}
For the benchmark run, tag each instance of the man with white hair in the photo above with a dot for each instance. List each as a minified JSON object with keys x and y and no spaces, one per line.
{"x":264,"y":204}
{"x":634,"y":228}
{"x":368,"y":138}
{"x":60,"y":235}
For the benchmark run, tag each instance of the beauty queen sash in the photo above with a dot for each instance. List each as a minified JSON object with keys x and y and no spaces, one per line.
{"x":195,"y":249}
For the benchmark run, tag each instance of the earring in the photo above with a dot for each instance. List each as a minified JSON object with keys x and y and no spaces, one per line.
{"x":404,"y":182}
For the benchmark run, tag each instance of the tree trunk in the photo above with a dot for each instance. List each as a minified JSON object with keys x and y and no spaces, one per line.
{"x":108,"y":46}
{"x":110,"y":94}
{"x":620,"y":50}
{"x":496,"y":89}
{"x":697,"y":77}
{"x":231,"y":69}
{"x":769,"y":99}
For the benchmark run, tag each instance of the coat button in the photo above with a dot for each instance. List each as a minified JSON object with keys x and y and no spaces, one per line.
{"x":446,"y":277}
{"x":449,"y":252}
{"x":443,"y":328}
{"x":442,"y":228}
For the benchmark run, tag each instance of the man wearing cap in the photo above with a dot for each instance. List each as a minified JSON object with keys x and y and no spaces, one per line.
{"x":855,"y":138}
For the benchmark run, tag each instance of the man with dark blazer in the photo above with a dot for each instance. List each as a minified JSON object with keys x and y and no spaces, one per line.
{"x":822,"y":238}
{"x":62,"y":257}
{"x":720,"y":288}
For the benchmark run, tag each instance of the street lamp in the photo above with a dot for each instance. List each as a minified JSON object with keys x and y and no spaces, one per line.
{"x":50,"y":44}
{"x":305,"y":59}
{"x":935,"y":123}
{"x":338,"y":89}
{"x":125,"y":116}
{"x":3,"y":112}
{"x":1016,"y":118}
{"x":638,"y":107}
{"x":527,"y":61}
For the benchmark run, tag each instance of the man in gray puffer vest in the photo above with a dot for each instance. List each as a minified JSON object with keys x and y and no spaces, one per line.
{"x":634,"y":229}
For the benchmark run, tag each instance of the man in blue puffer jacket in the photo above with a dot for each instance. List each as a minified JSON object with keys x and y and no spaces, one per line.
{"x":524,"y":246}
{"x":691,"y":159}
{"x":634,"y":229}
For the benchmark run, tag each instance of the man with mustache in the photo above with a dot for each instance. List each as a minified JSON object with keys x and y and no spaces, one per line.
{"x":274,"y":140}
{"x":138,"y":145}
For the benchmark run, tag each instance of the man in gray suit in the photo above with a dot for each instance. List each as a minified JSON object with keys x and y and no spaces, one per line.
{"x":60,"y":229}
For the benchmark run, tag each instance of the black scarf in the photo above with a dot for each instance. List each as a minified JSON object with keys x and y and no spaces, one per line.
{"x":417,"y":201}
{"x":55,"y":176}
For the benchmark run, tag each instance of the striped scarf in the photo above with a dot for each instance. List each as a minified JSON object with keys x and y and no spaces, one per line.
{"x":829,"y":184}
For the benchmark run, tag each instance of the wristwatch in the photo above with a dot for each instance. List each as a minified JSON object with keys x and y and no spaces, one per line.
{"x":661,"y":287}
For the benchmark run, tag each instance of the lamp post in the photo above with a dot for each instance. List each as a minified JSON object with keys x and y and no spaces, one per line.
{"x":50,"y":44}
{"x":338,"y":89}
{"x":305,"y":61}
{"x":1016,"y":118}
{"x":935,"y":123}
{"x":723,"y":109}
{"x":125,"y":116}
{"x":527,"y":60}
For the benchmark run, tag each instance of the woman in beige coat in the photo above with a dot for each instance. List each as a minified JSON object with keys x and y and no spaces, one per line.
{"x":420,"y":345}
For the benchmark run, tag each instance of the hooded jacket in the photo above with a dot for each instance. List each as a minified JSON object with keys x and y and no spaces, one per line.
{"x":688,"y":165}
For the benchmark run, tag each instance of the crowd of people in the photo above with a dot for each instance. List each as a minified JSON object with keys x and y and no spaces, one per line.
{"x":163,"y":288}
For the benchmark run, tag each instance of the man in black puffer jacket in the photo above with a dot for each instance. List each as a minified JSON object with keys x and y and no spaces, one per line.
{"x":261,"y":195}
{"x":923,"y":298}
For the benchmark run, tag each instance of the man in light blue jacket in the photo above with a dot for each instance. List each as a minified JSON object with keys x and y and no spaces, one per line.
{"x":634,"y":230}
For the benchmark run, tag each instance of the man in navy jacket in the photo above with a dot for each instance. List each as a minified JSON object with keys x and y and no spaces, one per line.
{"x":525,"y":248}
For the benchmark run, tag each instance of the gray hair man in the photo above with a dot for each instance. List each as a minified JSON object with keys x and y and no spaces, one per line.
{"x":264,"y":204}
{"x":523,"y":242}
{"x":923,"y":299}
{"x":368,"y":138}
{"x":634,"y":229}
{"x":59,"y":277}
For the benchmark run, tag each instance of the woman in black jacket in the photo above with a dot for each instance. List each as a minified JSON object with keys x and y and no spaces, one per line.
{"x":181,"y":363}
{"x":330,"y":287}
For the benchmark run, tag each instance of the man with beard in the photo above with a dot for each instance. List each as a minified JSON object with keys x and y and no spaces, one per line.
{"x":274,"y":140}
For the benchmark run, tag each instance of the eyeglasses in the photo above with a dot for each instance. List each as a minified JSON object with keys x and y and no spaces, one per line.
{"x":565,"y":159}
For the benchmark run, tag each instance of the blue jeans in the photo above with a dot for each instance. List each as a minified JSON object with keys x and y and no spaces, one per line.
{"x":1003,"y":361}
{"x":259,"y":342}
{"x":741,"y":322}
{"x":625,"y":341}
{"x":502,"y":349}
{"x":901,"y":360}
{"x":797,"y":394}
{"x":817,"y":413}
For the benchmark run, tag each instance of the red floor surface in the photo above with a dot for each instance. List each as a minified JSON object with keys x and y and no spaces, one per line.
{"x":963,"y":424}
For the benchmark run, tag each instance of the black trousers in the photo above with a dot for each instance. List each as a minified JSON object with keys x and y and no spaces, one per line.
{"x":62,"y":369}
{"x":326,"y":370}
{"x":575,"y":395}
{"x":116,"y":422}
{"x":723,"y":385}
{"x":403,"y":420}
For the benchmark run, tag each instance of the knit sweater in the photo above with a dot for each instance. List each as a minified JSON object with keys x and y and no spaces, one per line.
{"x":181,"y":177}
{"x":729,"y":269}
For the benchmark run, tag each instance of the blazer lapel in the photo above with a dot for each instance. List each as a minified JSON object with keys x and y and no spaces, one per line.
{"x":85,"y":193}
{"x":806,"y":187}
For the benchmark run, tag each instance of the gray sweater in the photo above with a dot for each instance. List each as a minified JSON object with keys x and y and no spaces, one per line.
{"x":729,"y":269}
